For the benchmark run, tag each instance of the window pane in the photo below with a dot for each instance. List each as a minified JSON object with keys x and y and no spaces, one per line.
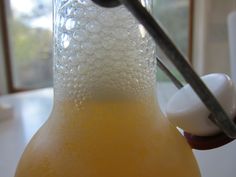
{"x":30,"y":29}
{"x":174,"y":17}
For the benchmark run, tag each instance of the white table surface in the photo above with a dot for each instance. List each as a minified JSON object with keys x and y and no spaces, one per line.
{"x":31,"y":109}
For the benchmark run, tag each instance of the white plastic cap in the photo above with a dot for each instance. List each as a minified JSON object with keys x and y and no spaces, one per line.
{"x":186,"y":110}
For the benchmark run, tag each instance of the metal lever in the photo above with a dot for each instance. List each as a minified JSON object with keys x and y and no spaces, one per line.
{"x":145,"y":18}
{"x":162,"y":66}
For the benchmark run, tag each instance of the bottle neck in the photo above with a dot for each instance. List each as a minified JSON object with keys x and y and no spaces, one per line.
{"x":101,"y":54}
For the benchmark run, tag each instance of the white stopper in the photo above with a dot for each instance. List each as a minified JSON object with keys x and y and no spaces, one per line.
{"x":186,"y":111}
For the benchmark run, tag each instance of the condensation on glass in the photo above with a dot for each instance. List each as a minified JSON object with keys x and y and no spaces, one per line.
{"x":100,"y":50}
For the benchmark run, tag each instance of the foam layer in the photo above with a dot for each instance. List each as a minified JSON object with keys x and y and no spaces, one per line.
{"x":100,"y":50}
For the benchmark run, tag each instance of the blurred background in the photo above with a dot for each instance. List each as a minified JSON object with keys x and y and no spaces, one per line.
{"x":198,"y":27}
{"x":26,"y":36}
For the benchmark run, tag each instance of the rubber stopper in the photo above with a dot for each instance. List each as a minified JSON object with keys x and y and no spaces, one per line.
{"x":186,"y":111}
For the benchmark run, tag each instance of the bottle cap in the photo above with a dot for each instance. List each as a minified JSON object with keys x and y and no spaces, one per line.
{"x":186,"y":111}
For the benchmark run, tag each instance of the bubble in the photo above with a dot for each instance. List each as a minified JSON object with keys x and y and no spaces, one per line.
{"x":62,"y":2}
{"x":70,"y":24}
{"x":93,"y":27}
{"x":95,"y":38}
{"x":108,"y":43}
{"x":105,"y":18}
{"x":91,"y":12}
{"x":120,"y":33}
{"x":84,"y":2}
{"x":59,"y":67}
{"x":80,"y":35}
{"x":62,"y":22}
{"x":79,"y":12}
{"x":66,"y":9}
{"x":65,"y":41}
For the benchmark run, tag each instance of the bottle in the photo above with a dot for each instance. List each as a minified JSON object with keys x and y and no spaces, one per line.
{"x":106,"y":121}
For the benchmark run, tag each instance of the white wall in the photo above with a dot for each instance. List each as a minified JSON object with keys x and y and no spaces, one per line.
{"x":211,"y":48}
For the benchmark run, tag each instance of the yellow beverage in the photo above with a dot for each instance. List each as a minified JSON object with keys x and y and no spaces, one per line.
{"x":105,"y":122}
{"x":108,"y":138}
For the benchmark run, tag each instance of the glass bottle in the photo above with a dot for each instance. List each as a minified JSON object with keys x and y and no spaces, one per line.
{"x":106,"y":121}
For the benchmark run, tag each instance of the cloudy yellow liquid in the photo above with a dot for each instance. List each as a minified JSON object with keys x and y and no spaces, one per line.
{"x":107,"y":139}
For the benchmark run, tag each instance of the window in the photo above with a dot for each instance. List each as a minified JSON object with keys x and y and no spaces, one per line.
{"x":174,"y":16}
{"x":30,"y":42}
{"x":29,"y":37}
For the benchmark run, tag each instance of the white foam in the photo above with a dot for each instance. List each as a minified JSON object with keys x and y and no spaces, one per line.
{"x":103,"y":49}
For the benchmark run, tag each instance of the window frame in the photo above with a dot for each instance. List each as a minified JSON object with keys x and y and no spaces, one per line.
{"x":6,"y":47}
